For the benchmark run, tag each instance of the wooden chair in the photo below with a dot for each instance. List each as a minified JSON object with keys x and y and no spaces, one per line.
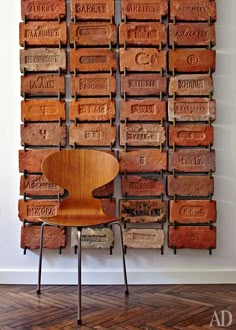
{"x":80,"y":172}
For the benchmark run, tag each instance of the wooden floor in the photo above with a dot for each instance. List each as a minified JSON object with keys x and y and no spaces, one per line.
{"x":147,"y":307}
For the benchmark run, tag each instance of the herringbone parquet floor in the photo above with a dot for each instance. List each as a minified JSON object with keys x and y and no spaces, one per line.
{"x":148,"y":307}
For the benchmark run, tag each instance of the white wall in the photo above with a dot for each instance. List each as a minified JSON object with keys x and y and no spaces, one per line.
{"x":187,"y":266}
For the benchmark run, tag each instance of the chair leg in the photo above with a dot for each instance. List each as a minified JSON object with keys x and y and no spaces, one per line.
{"x":79,"y":320}
{"x":40,"y":258}
{"x":123,"y":257}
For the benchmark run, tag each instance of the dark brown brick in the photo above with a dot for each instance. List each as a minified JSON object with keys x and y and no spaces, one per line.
{"x":93,"y":34}
{"x":143,"y":84}
{"x":54,"y":237}
{"x":192,"y":60}
{"x":143,"y":160}
{"x":192,"y":237}
{"x":143,"y":211}
{"x":191,"y":135}
{"x":192,"y":160}
{"x":43,"y":10}
{"x":143,"y":110}
{"x":36,"y":185}
{"x":142,"y":34}
{"x":92,"y":134}
{"x":133,"y":185}
{"x":199,"y":186}
{"x":92,"y":109}
{"x":192,"y":211}
{"x":144,"y":238}
{"x":143,"y":10}
{"x":142,"y":134}
{"x":43,"y":134}
{"x":43,"y":34}
{"x":42,"y":110}
{"x":142,"y":59}
{"x":197,"y":10}
{"x":96,"y":84}
{"x":33,"y":210}
{"x":191,"y":109}
{"x":191,"y":84}
{"x":42,"y":85}
{"x":92,"y":9}
{"x":192,"y":34}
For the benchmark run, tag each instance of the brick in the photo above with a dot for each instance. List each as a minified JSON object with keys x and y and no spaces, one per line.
{"x":92,"y":135}
{"x":191,"y":84}
{"x":92,"y":9}
{"x":54,"y":237}
{"x":192,"y":160}
{"x":104,"y":191}
{"x":142,"y":34}
{"x":144,"y":238}
{"x":191,"y":135}
{"x":43,"y":34}
{"x":43,"y":134}
{"x":192,"y":211}
{"x":36,"y":185}
{"x":96,"y":84}
{"x":192,"y":60}
{"x":92,"y":109}
{"x":143,"y":84}
{"x":143,"y":160}
{"x":197,"y":10}
{"x":143,"y":10}
{"x":43,"y":10}
{"x":93,"y":34}
{"x":142,"y":59}
{"x":133,"y":185}
{"x":199,"y":186}
{"x":43,"y":110}
{"x":31,"y":160}
{"x":143,"y":110}
{"x":192,"y":34}
{"x":143,"y":211}
{"x":142,"y":134}
{"x":42,"y":85}
{"x":33,"y":210}
{"x":191,"y":109}
{"x":42,"y":59}
{"x":192,"y":237}
{"x":93,"y":238}
{"x":92,"y":59}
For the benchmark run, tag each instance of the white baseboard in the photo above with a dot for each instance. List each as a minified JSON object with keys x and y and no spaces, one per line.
{"x":226,"y":276}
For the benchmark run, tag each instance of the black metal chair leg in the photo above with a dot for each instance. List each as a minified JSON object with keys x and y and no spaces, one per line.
{"x":40,"y":258}
{"x":79,"y":319}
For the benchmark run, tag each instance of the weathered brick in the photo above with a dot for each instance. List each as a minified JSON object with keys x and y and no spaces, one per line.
{"x":201,"y":186}
{"x":43,"y":134}
{"x":133,"y":185}
{"x":142,"y":34}
{"x":192,"y":160}
{"x":105,"y":190}
{"x":31,"y":160}
{"x":93,"y":59}
{"x":42,"y":110}
{"x":143,"y":10}
{"x":43,"y":34}
{"x":92,"y":9}
{"x":143,"y":211}
{"x":92,"y":134}
{"x":43,"y":10}
{"x":35,"y":185}
{"x":53,"y":238}
{"x":191,"y":84}
{"x":191,"y":135}
{"x":144,"y":238}
{"x":143,"y":110}
{"x":93,"y":238}
{"x":143,"y":160}
{"x":192,"y":237}
{"x":192,"y":211}
{"x":33,"y":210}
{"x":142,"y":59}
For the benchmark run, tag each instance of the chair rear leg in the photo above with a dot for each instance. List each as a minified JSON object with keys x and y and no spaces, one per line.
{"x":79,"y":319}
{"x":40,"y":258}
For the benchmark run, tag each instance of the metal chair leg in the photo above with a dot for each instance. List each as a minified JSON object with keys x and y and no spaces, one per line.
{"x":40,"y":258}
{"x":123,"y":257}
{"x":79,"y":320}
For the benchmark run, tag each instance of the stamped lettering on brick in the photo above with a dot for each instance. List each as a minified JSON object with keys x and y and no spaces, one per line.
{"x":43,"y":9}
{"x":100,"y":84}
{"x":144,"y":238}
{"x":35,"y":185}
{"x":33,"y":210}
{"x":191,"y":84}
{"x":133,"y":185}
{"x":92,"y":9}
{"x":93,"y":238}
{"x":143,"y":10}
{"x":42,"y":110}
{"x":31,"y":160}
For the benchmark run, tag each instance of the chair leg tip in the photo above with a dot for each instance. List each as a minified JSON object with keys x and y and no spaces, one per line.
{"x":38,"y":291}
{"x":79,"y":322}
{"x":126,"y":292}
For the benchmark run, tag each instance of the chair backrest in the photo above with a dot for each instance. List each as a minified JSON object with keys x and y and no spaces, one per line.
{"x":80,"y":172}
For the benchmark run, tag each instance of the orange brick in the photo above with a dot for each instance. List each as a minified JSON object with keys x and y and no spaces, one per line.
{"x":191,"y":84}
{"x":42,"y":110}
{"x":143,"y":10}
{"x":33,"y":210}
{"x":43,"y":10}
{"x":31,"y":160}
{"x":36,"y":185}
{"x":92,"y":9}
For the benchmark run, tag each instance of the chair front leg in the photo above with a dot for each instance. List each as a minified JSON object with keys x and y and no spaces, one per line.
{"x":40,"y":258}
{"x":79,"y":320}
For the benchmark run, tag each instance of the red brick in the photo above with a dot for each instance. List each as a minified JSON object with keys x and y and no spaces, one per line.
{"x":31,"y":160}
{"x":143,"y":10}
{"x":92,"y":9}
{"x":109,"y":206}
{"x":33,"y":210}
{"x":143,"y":160}
{"x":144,"y":238}
{"x":191,"y":84}
{"x":192,"y":211}
{"x":192,"y":237}
{"x":42,"y":110}
{"x":104,"y":191}
{"x":43,"y":10}
{"x":36,"y":185}
{"x":133,"y":185}
{"x":200,"y":186}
